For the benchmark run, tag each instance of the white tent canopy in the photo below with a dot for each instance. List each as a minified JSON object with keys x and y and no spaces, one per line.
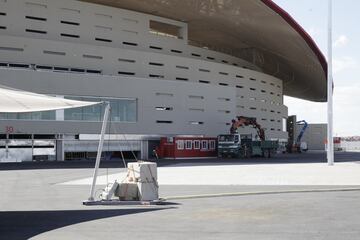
{"x":18,"y":101}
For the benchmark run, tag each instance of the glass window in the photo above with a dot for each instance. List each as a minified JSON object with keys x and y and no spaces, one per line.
{"x":115,"y":112}
{"x":180,"y":144}
{"x":24,"y":116}
{"x":12,"y":116}
{"x":204,"y":144}
{"x":212,"y":144}
{"x":188,"y":144}
{"x":46,"y":115}
{"x":122,"y":110}
{"x":127,"y":110}
{"x":226,"y":138}
{"x":73,"y":113}
{"x":36,"y":116}
{"x":196,"y":144}
{"x":92,"y":113}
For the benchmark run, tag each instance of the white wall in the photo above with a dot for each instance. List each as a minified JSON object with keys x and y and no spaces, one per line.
{"x":233,"y":90}
{"x":314,"y":136}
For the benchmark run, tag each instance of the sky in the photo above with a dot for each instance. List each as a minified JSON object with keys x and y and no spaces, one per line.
{"x":312,"y":16}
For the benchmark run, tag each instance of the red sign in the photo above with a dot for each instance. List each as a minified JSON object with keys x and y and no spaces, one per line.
{"x":9,"y":129}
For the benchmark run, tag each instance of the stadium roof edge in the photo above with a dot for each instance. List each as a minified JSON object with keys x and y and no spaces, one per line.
{"x":258,"y":31}
{"x":310,"y":41}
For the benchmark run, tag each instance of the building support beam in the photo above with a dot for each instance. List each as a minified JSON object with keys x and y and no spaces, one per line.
{"x":144,"y":151}
{"x":60,"y":151}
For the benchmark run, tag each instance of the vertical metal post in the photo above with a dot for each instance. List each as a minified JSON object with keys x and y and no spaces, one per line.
{"x":7,"y":146}
{"x":100,"y":147}
{"x":32,"y":147}
{"x":59,"y":149}
{"x":330,"y":141}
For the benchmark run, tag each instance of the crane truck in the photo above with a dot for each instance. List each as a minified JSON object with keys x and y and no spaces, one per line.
{"x":298,"y":146}
{"x":236,"y":145}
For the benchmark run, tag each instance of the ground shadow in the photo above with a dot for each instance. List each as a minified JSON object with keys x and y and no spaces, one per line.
{"x":26,"y":224}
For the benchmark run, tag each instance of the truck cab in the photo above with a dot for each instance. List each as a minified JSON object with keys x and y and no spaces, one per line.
{"x":229,"y":145}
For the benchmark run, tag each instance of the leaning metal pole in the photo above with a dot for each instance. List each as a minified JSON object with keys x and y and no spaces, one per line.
{"x":99,"y":151}
{"x":330,"y":141}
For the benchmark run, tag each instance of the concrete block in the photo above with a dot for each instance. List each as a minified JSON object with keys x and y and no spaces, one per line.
{"x":142,"y":172}
{"x":148,"y":191}
{"x":127,"y":191}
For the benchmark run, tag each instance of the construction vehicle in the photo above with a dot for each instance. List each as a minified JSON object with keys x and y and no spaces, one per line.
{"x":236,"y":145}
{"x":298,"y":146}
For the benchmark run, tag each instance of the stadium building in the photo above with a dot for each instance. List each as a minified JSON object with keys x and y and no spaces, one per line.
{"x":168,"y":67}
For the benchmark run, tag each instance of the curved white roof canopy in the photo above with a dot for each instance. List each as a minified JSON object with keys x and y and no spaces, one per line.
{"x":18,"y":101}
{"x":258,"y":31}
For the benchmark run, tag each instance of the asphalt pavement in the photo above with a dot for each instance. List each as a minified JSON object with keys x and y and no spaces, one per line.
{"x":33,"y":204}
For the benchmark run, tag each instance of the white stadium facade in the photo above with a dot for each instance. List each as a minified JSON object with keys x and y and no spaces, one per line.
{"x":167,"y":67}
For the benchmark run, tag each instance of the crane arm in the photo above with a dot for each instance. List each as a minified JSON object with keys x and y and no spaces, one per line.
{"x":301,"y":134}
{"x":247,"y":121}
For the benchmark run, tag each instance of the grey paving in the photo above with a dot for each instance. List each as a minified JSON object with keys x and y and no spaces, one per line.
{"x":33,"y":205}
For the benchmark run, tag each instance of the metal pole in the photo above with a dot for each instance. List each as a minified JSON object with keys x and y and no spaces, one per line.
{"x":330,"y":141}
{"x":7,"y":146}
{"x":100,"y":147}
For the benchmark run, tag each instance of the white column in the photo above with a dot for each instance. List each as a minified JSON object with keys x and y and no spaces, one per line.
{"x":59,"y":114}
{"x":330,"y":141}
{"x":60,"y":151}
{"x":144,"y":150}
